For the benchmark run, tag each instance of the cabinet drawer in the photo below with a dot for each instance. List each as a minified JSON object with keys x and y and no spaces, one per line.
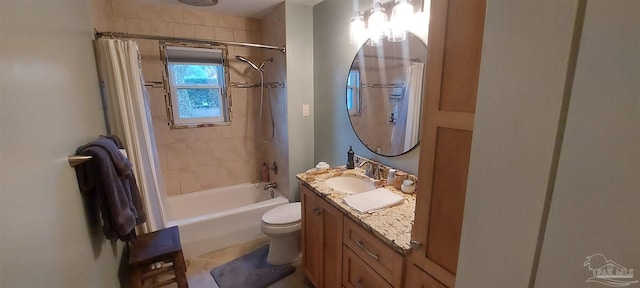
{"x":377,"y":254}
{"x":357,"y":274}
{"x":418,"y":278}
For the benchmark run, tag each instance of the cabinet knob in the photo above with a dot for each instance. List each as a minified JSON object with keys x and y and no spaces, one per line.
{"x":415,"y":244}
{"x":317,"y":211}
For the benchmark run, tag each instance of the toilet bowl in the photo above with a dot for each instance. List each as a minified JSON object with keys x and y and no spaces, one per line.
{"x":282,"y":224}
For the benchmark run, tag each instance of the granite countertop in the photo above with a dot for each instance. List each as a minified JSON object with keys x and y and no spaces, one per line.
{"x":391,"y":225}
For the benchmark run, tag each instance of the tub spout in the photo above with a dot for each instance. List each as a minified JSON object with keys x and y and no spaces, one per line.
{"x":270,"y":185}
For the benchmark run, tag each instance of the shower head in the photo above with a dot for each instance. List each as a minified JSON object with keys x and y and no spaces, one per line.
{"x":259,"y":68}
{"x":245,"y":60}
{"x":270,"y":59}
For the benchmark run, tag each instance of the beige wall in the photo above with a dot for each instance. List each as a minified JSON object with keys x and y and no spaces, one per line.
{"x":196,"y":158}
{"x":273,"y":33}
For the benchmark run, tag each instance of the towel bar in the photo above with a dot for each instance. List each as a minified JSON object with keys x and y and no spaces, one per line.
{"x":75,"y":160}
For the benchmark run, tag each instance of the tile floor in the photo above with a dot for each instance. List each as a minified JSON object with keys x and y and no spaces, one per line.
{"x":198,"y":268}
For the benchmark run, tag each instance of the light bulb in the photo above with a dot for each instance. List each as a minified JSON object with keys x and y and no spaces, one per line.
{"x":401,"y":16}
{"x":377,"y":23}
{"x":357,"y":29}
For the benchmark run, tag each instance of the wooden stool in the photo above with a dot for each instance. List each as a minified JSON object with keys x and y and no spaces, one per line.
{"x":159,"y":246}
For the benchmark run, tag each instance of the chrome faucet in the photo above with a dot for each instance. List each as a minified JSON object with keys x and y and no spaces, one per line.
{"x":270,"y":185}
{"x":371,"y":171}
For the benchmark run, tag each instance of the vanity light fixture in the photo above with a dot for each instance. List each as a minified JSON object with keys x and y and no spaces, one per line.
{"x":378,"y":27}
{"x":401,"y":16}
{"x":357,"y":28}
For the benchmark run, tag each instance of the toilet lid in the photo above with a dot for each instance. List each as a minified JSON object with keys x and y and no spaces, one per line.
{"x":285,"y":214}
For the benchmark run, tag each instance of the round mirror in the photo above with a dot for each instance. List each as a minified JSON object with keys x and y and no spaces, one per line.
{"x":384,"y":95}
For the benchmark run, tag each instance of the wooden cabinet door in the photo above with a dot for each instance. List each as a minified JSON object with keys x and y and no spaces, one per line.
{"x":455,"y":44}
{"x":332,"y":222}
{"x":311,"y":236}
{"x":416,"y":278}
{"x":321,"y":240}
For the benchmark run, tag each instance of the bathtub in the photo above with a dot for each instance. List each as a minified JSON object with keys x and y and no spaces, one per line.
{"x":218,"y":218}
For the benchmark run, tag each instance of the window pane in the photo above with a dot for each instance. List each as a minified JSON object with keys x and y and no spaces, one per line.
{"x":354,"y":76}
{"x":199,"y":102}
{"x":191,"y":74}
{"x":349,"y":99}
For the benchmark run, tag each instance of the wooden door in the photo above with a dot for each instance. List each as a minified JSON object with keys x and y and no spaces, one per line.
{"x":453,"y":64}
{"x":321,"y":240}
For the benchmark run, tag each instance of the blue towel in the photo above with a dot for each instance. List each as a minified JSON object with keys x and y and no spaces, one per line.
{"x":107,"y":179}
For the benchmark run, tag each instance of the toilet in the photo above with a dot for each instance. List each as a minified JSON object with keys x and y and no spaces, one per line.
{"x":282,"y":224}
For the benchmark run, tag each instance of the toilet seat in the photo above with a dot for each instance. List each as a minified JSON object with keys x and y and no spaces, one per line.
{"x":282,"y":219}
{"x":280,"y":229}
{"x":283,"y":215}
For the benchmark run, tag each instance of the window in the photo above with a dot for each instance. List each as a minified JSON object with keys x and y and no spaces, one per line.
{"x":197,"y":86}
{"x":353,"y":93}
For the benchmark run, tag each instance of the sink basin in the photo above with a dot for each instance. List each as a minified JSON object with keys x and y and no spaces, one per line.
{"x":347,"y":184}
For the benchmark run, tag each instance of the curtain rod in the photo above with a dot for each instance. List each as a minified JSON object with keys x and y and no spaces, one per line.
{"x":160,"y":84}
{"x":417,"y":59}
{"x":378,"y":85}
{"x":252,"y":85}
{"x":180,"y":39}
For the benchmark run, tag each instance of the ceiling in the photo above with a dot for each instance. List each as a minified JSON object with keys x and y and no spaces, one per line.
{"x":245,"y":8}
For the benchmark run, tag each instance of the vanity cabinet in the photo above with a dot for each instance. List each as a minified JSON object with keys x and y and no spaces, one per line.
{"x":338,"y":252}
{"x":321,"y":240}
{"x":455,"y":38}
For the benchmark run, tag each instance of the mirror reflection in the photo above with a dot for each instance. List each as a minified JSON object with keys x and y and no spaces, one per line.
{"x":384,"y":95}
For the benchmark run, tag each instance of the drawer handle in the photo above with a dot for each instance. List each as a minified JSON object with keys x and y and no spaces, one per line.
{"x":359,"y":243}
{"x":317,"y":211}
{"x":358,"y":283}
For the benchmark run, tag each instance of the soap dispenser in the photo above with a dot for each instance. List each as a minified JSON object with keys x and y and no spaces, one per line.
{"x":350,"y":163}
{"x":264,"y":173}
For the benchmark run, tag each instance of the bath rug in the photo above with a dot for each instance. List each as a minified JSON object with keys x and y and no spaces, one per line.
{"x":250,"y":271}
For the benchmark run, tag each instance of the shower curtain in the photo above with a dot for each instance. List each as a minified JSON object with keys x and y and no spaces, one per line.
{"x":412,"y":128}
{"x":126,"y":105}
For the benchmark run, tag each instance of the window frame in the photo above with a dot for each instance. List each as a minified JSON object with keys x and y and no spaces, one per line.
{"x":174,"y":100}
{"x":171,"y":89}
{"x":355,"y":93}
